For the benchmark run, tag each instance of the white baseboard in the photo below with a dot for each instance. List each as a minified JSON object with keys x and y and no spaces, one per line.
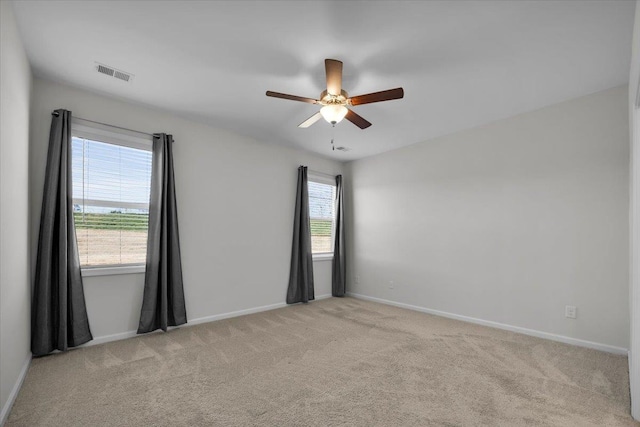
{"x":237,"y":313}
{"x":244,"y":312}
{"x":130,"y":334}
{"x":531,"y":332}
{"x":108,"y":338}
{"x":6,"y":409}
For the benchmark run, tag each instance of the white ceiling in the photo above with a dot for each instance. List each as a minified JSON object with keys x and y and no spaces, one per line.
{"x":461,"y":64}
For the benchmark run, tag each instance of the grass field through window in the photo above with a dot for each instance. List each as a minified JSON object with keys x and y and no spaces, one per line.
{"x":321,"y":235}
{"x":111,"y":238}
{"x":115,"y":220}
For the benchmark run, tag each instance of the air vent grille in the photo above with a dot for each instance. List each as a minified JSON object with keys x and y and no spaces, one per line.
{"x":113,"y":72}
{"x":105,"y":70}
{"x":122,"y":76}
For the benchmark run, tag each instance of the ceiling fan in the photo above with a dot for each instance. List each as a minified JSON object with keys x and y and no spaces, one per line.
{"x":335,"y":100}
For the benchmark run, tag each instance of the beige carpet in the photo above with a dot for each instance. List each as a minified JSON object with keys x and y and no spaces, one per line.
{"x":335,"y":362}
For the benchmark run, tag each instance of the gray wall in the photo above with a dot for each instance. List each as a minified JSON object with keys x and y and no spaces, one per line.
{"x":236,"y":200}
{"x":634,"y":292}
{"x":15,"y":290}
{"x":508,"y":222}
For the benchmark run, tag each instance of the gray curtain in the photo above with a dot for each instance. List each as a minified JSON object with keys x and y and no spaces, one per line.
{"x":163,"y":301}
{"x":338,"y":267}
{"x":58,"y":311}
{"x":301,"y":273}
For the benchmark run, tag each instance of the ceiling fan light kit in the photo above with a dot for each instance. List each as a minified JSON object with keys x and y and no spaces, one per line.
{"x":335,"y":100}
{"x":334,"y":113}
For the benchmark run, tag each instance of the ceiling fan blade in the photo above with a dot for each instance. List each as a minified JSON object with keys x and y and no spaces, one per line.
{"x":385,"y":95}
{"x":333,"y":69}
{"x":311,"y":120}
{"x":357,"y":120}
{"x":291,"y":97}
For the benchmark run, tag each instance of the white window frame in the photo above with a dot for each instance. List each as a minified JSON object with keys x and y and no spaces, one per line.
{"x":322,"y":178}
{"x":116,"y":136}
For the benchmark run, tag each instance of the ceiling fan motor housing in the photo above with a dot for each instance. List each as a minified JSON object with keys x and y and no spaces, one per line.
{"x":327,"y":98}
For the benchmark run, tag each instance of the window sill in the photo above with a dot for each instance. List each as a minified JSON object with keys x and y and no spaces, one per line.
{"x":112,"y":270}
{"x":322,"y":257}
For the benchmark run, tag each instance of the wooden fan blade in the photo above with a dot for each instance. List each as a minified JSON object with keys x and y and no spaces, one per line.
{"x":291,"y":97}
{"x":357,"y":120}
{"x":385,"y":95}
{"x":311,"y":120}
{"x":333,"y":69}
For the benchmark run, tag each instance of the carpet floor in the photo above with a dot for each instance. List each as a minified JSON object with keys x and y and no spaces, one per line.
{"x":334,"y":362}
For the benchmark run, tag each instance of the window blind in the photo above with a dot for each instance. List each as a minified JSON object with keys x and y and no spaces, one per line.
{"x":321,"y":211}
{"x":111,"y":185}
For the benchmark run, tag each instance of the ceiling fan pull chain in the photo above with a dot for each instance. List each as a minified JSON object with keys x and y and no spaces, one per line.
{"x":333,"y":135}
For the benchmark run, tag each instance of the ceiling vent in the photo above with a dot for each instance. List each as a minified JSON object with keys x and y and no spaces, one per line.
{"x":112,"y":72}
{"x":105,"y":70}
{"x":343,"y":148}
{"x":122,"y":76}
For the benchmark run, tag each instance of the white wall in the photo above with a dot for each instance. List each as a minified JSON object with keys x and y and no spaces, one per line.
{"x":236,"y":201}
{"x":15,"y":290}
{"x":634,"y":122}
{"x":508,"y":222}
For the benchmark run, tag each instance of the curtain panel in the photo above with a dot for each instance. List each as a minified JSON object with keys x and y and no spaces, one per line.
{"x":163,"y":303}
{"x":301,"y":273}
{"x":58,"y":310}
{"x":338,"y":265}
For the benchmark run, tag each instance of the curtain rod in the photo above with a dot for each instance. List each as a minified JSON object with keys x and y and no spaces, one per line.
{"x":55,"y":113}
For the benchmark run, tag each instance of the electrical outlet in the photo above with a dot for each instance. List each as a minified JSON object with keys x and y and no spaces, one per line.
{"x":357,"y":279}
{"x":391,"y":285}
{"x":570,"y":311}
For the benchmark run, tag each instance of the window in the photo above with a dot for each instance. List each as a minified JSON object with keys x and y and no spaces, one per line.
{"x":322,"y":197}
{"x":111,"y":174}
